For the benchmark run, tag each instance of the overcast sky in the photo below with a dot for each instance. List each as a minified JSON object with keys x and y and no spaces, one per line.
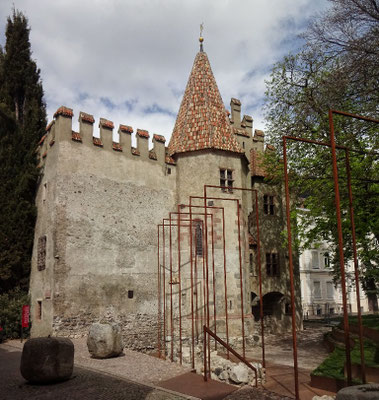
{"x":129,"y":60}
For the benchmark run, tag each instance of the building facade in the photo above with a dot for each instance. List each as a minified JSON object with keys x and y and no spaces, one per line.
{"x":319,"y":295}
{"x":97,"y":254}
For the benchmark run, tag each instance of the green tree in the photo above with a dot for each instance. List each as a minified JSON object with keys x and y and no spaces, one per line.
{"x":336,"y":69}
{"x":22,"y":124}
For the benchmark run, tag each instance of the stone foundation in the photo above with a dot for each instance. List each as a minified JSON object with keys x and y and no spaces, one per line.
{"x":139,"y":331}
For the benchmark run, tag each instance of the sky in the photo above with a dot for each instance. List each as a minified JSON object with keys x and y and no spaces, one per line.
{"x":129,"y":60}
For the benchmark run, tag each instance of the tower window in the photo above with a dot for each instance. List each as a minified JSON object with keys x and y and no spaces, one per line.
{"x":41,"y":253}
{"x":130,"y":294}
{"x":198,"y":238}
{"x":272,"y":264}
{"x":226,"y":179}
{"x":268,"y":204}
{"x":251,"y":263}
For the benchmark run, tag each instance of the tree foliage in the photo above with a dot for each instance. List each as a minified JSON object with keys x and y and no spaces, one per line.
{"x":22,"y":124}
{"x":337,"y":68}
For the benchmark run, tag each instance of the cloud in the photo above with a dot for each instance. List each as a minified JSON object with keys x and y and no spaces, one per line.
{"x":129,"y":61}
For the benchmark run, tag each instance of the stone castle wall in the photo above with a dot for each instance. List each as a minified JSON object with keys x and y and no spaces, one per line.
{"x":98,"y":210}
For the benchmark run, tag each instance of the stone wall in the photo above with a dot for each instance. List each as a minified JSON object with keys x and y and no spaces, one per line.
{"x":139,"y":331}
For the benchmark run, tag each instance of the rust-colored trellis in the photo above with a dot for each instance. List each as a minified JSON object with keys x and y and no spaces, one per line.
{"x":180,"y":223}
{"x":333,"y":147}
{"x":208,"y":266}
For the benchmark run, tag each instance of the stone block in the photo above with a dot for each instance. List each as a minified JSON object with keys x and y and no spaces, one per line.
{"x":47,"y":359}
{"x":105,"y":340}
{"x":360,"y":392}
{"x":239,"y":374}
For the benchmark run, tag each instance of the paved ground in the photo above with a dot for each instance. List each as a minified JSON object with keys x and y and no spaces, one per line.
{"x":311,"y":351}
{"x":139,"y":376}
{"x":84,"y":384}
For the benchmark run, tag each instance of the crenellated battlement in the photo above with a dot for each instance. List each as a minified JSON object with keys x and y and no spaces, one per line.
{"x":60,"y":129}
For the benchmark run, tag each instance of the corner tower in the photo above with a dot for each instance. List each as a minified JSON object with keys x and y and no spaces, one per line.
{"x":203,"y":141}
{"x":207,"y":152}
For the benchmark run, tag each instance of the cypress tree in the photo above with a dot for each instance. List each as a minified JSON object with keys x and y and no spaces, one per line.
{"x":22,"y":124}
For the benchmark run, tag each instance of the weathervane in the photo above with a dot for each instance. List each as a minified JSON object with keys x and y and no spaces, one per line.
{"x":201,"y":39}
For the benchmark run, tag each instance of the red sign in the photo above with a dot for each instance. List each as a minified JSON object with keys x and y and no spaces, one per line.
{"x":25,"y":316}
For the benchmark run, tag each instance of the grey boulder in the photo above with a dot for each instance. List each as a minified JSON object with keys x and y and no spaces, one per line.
{"x":239,"y":374}
{"x":47,"y":359}
{"x":105,"y":340}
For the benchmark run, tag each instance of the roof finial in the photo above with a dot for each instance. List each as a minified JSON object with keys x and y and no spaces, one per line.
{"x":201,"y":39}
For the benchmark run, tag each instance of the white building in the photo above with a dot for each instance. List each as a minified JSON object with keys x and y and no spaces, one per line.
{"x":319,"y":295}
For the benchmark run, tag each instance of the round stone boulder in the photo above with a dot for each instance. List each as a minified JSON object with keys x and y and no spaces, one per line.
{"x":47,"y":359}
{"x":360,"y":392}
{"x":105,"y":340}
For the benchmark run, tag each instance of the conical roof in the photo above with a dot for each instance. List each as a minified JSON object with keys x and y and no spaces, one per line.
{"x":202,"y":122}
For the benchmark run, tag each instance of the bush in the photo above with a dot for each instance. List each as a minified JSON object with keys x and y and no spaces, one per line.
{"x":376,"y":356}
{"x":10,"y":314}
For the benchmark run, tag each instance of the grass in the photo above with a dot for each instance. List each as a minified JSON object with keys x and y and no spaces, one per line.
{"x":333,"y":365}
{"x":371,"y":321}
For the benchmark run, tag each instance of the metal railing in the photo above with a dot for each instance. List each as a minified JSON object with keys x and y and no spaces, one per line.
{"x":219,"y":340}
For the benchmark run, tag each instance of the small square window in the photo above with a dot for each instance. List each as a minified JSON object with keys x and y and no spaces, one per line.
{"x":226,"y":180}
{"x":130,"y":294}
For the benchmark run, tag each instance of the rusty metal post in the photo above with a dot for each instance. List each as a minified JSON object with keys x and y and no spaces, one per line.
{"x":260,"y":279}
{"x":240,"y":266}
{"x":180,"y":291}
{"x":224,"y":258}
{"x":351,"y":209}
{"x":225,"y":278}
{"x":214,"y":283}
{"x":241,"y":283}
{"x":340,"y":248}
{"x":293,"y":311}
{"x":191,"y":265}
{"x":171,"y":301}
{"x":205,"y":352}
{"x":159,"y":301}
{"x":205,"y":258}
{"x":225,"y":284}
{"x":356,"y":268}
{"x":164,"y":291}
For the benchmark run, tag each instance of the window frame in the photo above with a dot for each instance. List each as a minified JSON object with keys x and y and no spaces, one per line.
{"x":226,"y":179}
{"x":272,"y":264}
{"x":198,"y":238}
{"x":269,"y":204}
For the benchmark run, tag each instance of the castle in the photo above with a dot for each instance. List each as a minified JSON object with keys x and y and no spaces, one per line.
{"x":102,"y":205}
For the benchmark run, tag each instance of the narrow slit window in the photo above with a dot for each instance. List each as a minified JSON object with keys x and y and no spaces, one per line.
{"x":198,"y":238}
{"x":41,"y":253}
{"x":39,"y":310}
{"x":130,"y":294}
